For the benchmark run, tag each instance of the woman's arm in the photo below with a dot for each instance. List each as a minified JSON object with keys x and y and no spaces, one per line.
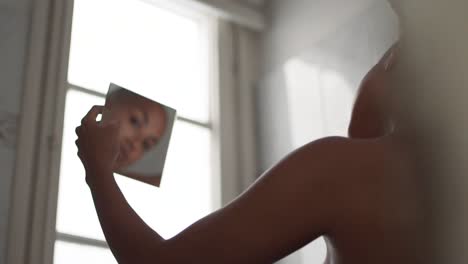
{"x":289,"y":206}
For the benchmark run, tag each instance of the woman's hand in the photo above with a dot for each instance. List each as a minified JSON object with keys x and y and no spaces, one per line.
{"x":98,"y":146}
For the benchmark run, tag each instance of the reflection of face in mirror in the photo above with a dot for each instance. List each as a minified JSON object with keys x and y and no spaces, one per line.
{"x":142,"y":124}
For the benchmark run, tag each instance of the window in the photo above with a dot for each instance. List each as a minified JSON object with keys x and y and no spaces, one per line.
{"x":320,"y":93}
{"x":163,"y":54}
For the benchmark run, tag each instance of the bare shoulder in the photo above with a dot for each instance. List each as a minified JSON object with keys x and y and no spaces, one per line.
{"x":342,"y":166}
{"x":325,"y":149}
{"x":342,"y":161}
{"x":326,"y":167}
{"x":335,"y":154}
{"x":315,"y":162}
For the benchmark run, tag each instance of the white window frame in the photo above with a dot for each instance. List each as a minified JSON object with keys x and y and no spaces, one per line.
{"x":32,"y":215}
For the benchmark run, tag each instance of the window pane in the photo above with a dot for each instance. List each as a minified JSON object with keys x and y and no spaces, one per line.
{"x":142,"y":47}
{"x":75,"y":213}
{"x":185,"y":194}
{"x":184,"y":197}
{"x":69,"y":253}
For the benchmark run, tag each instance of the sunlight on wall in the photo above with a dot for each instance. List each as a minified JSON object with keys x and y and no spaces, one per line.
{"x":319,"y":102}
{"x":304,"y":101}
{"x":319,"y":105}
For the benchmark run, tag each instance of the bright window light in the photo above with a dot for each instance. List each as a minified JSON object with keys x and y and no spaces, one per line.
{"x":78,"y":254}
{"x":137,"y":45}
{"x":162,"y":55}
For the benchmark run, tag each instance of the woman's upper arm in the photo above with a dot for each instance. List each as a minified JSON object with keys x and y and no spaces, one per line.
{"x":289,"y":206}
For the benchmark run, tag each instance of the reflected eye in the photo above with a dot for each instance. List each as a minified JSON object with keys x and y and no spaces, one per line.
{"x":135,"y":122}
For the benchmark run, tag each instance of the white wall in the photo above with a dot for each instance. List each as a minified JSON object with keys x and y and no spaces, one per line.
{"x":14,"y":23}
{"x":315,"y":54}
{"x":253,"y":3}
{"x":432,"y":75}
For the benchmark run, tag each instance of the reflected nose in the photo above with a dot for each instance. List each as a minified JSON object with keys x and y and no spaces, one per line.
{"x":134,"y":141}
{"x":133,"y":144}
{"x":129,"y":144}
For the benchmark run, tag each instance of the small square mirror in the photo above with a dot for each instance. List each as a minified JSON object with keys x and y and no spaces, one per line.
{"x":144,"y":135}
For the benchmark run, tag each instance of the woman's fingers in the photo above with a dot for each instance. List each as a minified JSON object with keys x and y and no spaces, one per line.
{"x":93,"y":113}
{"x":77,"y":143}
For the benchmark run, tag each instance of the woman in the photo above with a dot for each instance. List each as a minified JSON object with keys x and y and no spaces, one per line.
{"x":360,"y":193}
